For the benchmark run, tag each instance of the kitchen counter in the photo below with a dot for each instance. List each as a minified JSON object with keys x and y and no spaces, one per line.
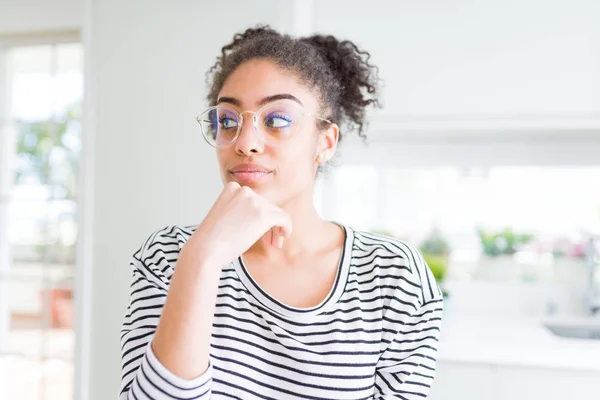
{"x":516,"y":342}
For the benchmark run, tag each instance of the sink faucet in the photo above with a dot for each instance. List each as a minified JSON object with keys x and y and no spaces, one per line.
{"x":593,"y":264}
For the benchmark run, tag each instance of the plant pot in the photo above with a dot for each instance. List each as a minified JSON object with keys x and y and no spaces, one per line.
{"x":498,"y":268}
{"x":61,"y":308}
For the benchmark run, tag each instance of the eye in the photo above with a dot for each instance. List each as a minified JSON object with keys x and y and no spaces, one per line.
{"x":226,"y":122}
{"x":277,"y":121}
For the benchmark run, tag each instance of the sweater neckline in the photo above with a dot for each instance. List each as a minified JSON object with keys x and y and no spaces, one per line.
{"x":285,"y":310}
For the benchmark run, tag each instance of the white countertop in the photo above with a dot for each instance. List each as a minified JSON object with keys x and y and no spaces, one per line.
{"x":515,"y":342}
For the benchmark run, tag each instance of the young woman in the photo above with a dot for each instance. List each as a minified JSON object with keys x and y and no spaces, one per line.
{"x":264,"y":299}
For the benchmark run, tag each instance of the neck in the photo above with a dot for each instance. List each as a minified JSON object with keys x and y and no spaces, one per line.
{"x":307,"y":230}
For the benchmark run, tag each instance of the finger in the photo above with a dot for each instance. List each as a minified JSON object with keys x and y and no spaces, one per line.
{"x":278,"y":241}
{"x":273,"y":238}
{"x":278,"y":235}
{"x":280,"y":222}
{"x":229,"y":189}
{"x":232,"y":185}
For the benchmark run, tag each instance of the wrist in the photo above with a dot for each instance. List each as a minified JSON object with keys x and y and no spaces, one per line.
{"x":201,"y":253}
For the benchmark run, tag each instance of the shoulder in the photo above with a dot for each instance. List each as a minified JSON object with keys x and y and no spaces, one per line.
{"x":158,"y":253}
{"x":166,"y":240}
{"x":398,"y":262}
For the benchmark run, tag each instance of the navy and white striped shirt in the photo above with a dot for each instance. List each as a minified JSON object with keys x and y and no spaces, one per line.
{"x":375,"y":336}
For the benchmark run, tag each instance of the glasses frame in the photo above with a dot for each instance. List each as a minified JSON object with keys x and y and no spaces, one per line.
{"x":255,"y":115}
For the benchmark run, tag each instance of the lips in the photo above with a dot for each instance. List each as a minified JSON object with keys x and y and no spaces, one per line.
{"x":249,"y":173}
{"x":248,"y":168}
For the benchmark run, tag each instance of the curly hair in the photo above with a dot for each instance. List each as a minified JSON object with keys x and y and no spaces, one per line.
{"x":337,"y":71}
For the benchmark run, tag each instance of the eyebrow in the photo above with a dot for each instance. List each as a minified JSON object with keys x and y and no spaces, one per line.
{"x":268,"y":99}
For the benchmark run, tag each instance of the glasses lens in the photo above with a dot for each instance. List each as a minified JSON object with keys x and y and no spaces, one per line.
{"x":219,"y":126}
{"x":278,"y":123}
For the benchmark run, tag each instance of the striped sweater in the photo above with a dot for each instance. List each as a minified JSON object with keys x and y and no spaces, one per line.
{"x":375,"y":335}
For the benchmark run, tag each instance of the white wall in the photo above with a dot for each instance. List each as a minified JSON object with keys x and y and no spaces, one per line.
{"x":26,"y":16}
{"x":151,"y":166}
{"x":462,"y":58}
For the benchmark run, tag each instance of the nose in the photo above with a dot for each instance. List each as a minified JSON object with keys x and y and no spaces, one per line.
{"x":248,"y":141}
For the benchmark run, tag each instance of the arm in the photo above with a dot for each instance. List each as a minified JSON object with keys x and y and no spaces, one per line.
{"x":166,"y":334}
{"x":169,"y":359}
{"x":406,"y":368}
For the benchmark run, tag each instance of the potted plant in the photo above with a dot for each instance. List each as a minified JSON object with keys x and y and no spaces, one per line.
{"x":498,"y":248}
{"x":505,"y":242}
{"x":436,"y":253}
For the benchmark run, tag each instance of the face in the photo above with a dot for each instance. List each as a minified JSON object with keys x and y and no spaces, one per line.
{"x":285,"y":171}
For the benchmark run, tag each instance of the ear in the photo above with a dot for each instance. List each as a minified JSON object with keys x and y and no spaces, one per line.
{"x":327,"y":143}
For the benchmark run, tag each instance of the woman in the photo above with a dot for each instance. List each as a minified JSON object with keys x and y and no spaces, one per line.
{"x":264,"y":299}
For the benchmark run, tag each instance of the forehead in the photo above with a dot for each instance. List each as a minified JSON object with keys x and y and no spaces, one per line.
{"x":256,"y":80}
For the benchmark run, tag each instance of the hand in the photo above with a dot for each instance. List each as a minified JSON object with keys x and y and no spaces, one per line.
{"x":237,"y":220}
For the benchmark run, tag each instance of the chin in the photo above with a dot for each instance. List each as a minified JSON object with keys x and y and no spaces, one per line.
{"x":271,"y":193}
{"x":261,"y":188}
{"x":266,"y":192}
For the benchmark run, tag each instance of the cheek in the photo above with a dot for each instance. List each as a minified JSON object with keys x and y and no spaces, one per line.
{"x":296,"y":164}
{"x":222,"y":158}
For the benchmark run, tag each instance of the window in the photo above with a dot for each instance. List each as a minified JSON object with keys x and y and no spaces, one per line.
{"x":40,"y":135}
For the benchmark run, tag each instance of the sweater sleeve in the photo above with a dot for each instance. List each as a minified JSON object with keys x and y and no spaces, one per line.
{"x":407,"y":367}
{"x":143,"y":376}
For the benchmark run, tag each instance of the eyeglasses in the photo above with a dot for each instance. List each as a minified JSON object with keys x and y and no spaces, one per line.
{"x":273,"y":124}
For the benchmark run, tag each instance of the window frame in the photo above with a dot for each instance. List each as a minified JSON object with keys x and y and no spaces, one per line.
{"x":7,"y":42}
